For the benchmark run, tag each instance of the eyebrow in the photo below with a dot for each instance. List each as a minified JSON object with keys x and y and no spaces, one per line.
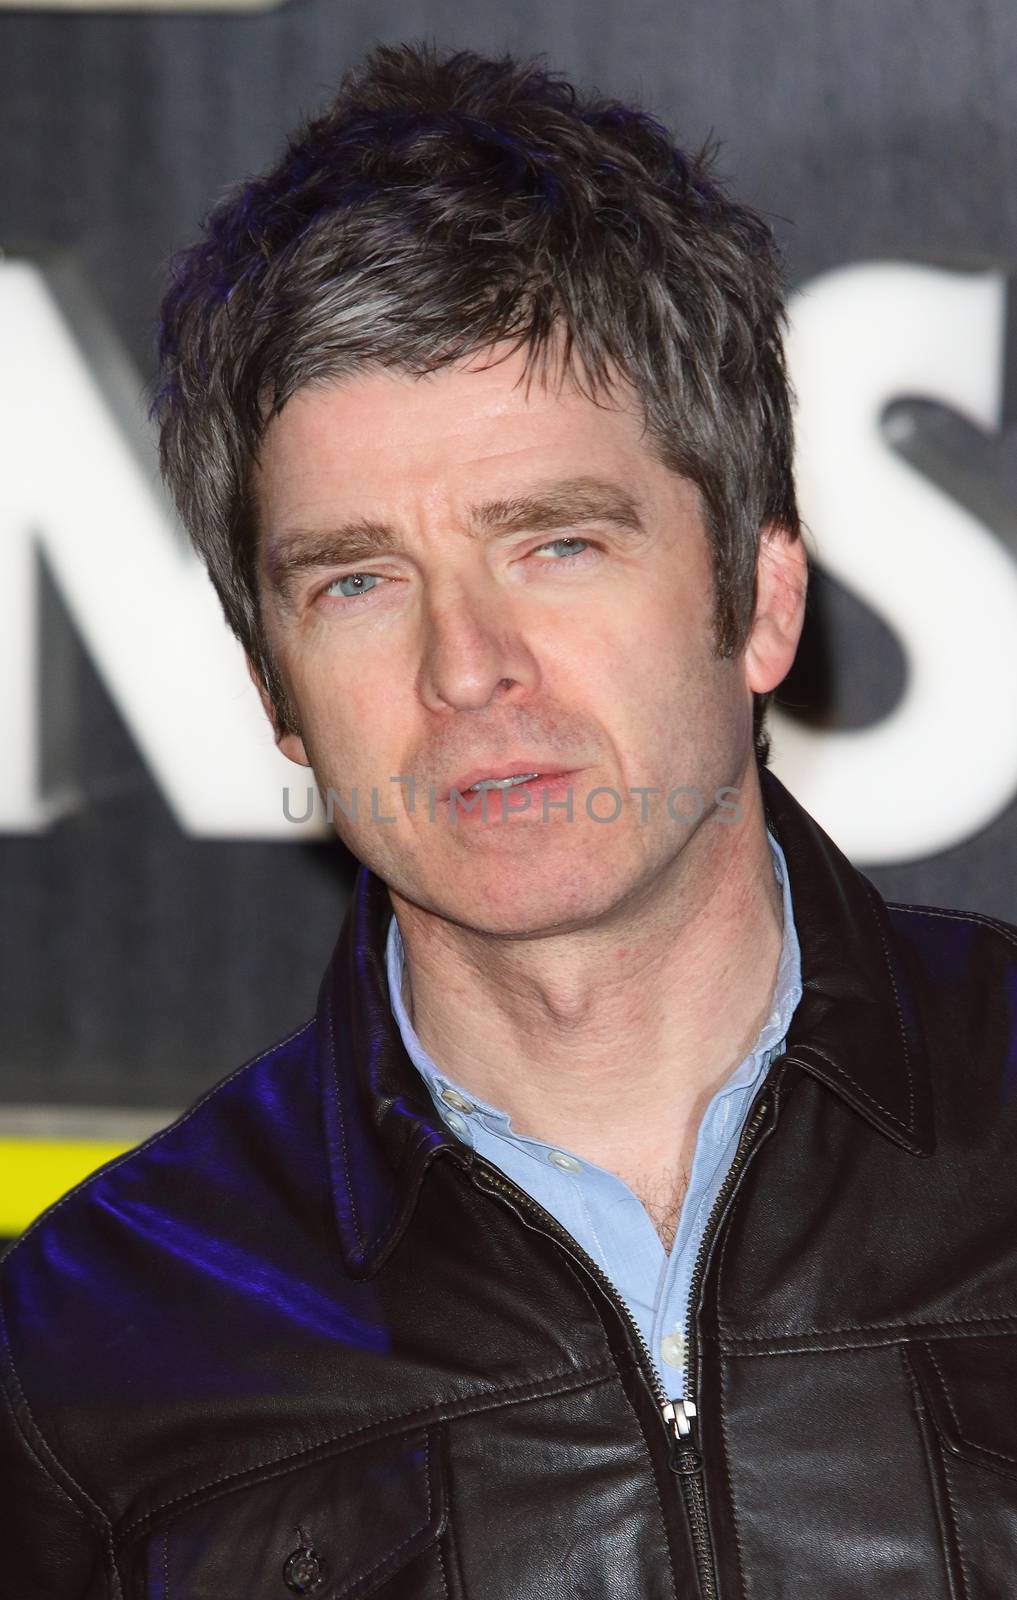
{"x":570,"y":502}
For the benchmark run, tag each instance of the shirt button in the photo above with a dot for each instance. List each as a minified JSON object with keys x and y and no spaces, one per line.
{"x":456,"y":1122}
{"x":673,"y":1349}
{"x":564,"y":1163}
{"x":456,"y":1100}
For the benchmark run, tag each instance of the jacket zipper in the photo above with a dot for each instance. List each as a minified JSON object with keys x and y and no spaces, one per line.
{"x":686,"y":1454}
{"x":685,"y":1458}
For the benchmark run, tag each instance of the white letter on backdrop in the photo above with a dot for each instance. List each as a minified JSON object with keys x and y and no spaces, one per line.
{"x":943,"y":764}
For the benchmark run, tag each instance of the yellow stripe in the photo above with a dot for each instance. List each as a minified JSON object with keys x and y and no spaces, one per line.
{"x":35,"y":1172}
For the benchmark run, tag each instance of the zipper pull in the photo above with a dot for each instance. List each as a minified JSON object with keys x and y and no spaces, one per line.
{"x":685,"y":1459}
{"x":678,"y":1415}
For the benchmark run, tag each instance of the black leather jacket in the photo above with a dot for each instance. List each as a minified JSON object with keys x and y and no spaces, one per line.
{"x":305,"y":1341}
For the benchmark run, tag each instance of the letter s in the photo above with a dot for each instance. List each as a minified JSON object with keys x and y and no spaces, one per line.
{"x":943,"y":763}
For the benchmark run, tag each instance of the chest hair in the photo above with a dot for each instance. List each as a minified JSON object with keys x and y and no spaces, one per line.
{"x":663,"y":1202}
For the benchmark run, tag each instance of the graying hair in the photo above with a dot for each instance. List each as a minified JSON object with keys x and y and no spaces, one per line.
{"x":445,"y":203}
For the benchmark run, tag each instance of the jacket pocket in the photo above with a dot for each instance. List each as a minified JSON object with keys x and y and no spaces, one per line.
{"x":364,"y":1521}
{"x":969,"y":1389}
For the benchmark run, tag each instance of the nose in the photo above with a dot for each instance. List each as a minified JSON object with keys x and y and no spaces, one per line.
{"x":473,"y":650}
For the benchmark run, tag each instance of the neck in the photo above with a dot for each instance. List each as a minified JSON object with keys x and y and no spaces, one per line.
{"x":611,"y":1041}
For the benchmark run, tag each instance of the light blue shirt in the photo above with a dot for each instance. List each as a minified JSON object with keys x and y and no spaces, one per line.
{"x":596,"y":1207}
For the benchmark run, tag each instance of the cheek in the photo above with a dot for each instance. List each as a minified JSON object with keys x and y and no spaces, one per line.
{"x":661,"y":683}
{"x":348,"y":717}
{"x":657,"y":654}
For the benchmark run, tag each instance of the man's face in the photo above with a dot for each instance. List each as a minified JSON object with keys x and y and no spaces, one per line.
{"x":460,"y":579}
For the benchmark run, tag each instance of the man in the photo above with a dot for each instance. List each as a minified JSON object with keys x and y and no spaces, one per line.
{"x":635,"y":1216}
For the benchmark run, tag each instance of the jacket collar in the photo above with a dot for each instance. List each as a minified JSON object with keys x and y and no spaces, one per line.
{"x":854,"y":1029}
{"x":380,"y":1123}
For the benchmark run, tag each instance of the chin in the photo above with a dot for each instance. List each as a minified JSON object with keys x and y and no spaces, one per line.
{"x":525,"y":898}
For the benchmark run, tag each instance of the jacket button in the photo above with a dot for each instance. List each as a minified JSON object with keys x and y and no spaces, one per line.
{"x":302,"y":1572}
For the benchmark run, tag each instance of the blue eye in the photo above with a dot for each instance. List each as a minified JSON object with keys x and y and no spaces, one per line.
{"x":570,"y":543}
{"x":358,"y":578}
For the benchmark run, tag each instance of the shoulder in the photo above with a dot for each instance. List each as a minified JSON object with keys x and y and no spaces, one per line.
{"x":973,"y":949}
{"x":148,"y":1296}
{"x":210,"y":1135}
{"x":111,"y":1253}
{"x":955,"y":977}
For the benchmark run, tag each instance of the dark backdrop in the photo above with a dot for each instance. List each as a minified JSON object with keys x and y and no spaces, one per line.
{"x":137,"y":964}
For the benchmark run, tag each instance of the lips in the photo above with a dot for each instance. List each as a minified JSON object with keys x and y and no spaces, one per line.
{"x":506,"y":769}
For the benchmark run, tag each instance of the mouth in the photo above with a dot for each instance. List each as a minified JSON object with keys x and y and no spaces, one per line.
{"x":508,"y":775}
{"x":502,"y":783}
{"x":494,"y":799}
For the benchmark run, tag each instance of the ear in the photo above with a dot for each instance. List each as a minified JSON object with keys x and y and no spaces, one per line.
{"x":290,"y":744}
{"x":781,"y":582}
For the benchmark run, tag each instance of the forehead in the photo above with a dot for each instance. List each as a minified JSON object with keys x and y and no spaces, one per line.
{"x":480,"y":428}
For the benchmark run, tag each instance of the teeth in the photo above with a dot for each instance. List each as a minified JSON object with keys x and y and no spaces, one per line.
{"x":503,"y":783}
